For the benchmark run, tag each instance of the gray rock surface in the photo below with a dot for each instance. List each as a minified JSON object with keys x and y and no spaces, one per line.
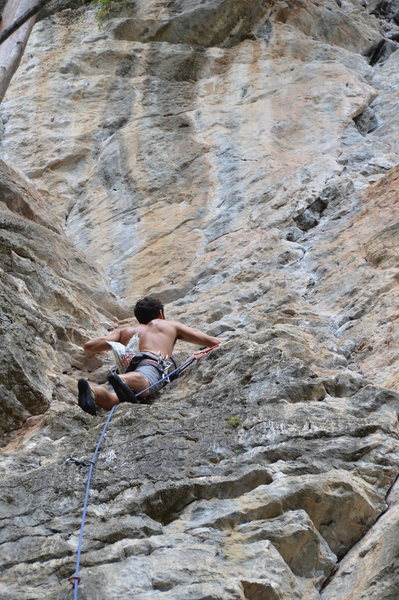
{"x":50,"y":296}
{"x":241,"y":161}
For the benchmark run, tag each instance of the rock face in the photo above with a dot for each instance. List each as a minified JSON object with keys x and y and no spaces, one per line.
{"x":49,"y":297}
{"x":241,"y":161}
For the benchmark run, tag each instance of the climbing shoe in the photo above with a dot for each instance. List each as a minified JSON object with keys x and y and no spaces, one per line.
{"x":86,"y":397}
{"x":122,"y":390}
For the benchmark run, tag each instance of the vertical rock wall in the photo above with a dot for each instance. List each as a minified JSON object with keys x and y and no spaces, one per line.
{"x":50,"y":297}
{"x":240,"y":160}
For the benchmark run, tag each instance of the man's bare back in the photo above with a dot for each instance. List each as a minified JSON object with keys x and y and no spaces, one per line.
{"x":158,"y":336}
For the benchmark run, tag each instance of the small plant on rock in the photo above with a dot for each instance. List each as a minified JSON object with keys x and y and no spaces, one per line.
{"x":105,"y":8}
{"x":233,"y":422}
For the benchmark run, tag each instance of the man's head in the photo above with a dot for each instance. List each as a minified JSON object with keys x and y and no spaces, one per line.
{"x":147,"y":309}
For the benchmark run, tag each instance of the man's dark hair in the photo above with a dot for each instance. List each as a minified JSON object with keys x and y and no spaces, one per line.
{"x":147,"y":309}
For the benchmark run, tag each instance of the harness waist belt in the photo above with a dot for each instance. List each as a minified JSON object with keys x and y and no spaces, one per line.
{"x":162,"y":364}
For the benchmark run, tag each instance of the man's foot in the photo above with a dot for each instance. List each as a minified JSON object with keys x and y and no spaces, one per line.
{"x":122,"y":390}
{"x":86,"y":397}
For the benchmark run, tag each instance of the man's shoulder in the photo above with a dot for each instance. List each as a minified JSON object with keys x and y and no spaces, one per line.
{"x":165,"y":324}
{"x":132,"y":329}
{"x":126,"y":333}
{"x":172,"y":323}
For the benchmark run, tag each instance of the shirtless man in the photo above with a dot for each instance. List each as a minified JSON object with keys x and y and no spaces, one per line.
{"x":156,"y":340}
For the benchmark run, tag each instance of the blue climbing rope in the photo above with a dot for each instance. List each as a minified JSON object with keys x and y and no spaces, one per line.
{"x":75,"y":579}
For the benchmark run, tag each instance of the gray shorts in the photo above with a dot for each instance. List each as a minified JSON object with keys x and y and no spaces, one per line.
{"x":152,"y":374}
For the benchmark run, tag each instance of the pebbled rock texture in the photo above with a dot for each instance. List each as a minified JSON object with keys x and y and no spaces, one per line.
{"x":241,"y":161}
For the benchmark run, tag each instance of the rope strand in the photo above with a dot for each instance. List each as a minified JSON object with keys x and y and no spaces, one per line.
{"x":76,"y":578}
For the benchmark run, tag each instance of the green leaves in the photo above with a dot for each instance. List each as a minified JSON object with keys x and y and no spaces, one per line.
{"x":233,"y":422}
{"x":106,"y":8}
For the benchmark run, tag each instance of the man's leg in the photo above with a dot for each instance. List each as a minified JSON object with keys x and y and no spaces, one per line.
{"x":103,"y":397}
{"x":106,"y":399}
{"x":136,"y":381}
{"x":99,"y":395}
{"x":129,"y":387}
{"x":90,"y":397}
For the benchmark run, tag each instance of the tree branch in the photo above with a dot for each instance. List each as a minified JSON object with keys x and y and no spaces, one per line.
{"x":21,"y":20}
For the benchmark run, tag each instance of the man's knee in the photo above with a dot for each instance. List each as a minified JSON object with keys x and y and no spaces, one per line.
{"x":135,"y":379}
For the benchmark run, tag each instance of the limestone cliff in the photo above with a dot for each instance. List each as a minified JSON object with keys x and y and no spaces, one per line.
{"x":239,"y":159}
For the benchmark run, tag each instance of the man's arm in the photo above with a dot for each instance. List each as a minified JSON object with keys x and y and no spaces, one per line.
{"x":101,"y":343}
{"x":187,"y":334}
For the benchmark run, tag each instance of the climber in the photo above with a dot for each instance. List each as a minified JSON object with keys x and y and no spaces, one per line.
{"x":149,"y":346}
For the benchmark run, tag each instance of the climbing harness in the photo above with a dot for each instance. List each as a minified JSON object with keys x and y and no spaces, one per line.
{"x":168,"y":378}
{"x":163,"y":364}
